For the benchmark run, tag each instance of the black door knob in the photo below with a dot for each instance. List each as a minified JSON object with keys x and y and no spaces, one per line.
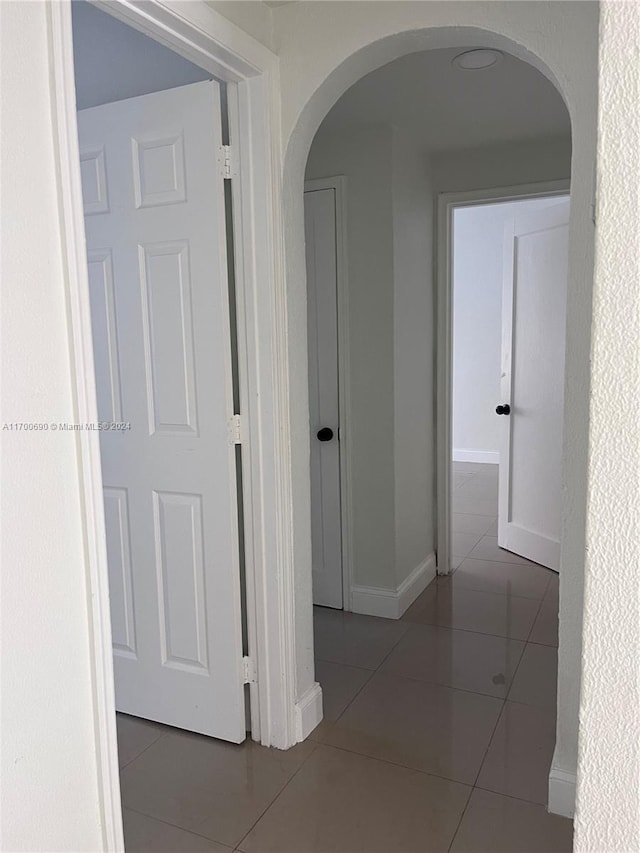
{"x":503,"y":410}
{"x":325,"y":434}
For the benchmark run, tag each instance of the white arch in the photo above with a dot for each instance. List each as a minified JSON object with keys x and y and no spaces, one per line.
{"x":376,"y":54}
{"x":559,"y":47}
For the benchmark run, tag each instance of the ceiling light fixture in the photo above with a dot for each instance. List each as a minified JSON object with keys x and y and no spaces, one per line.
{"x":478,"y":59}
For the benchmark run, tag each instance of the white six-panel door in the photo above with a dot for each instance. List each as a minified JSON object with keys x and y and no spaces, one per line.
{"x":321,"y":253}
{"x":533,"y":348}
{"x":154,"y":213}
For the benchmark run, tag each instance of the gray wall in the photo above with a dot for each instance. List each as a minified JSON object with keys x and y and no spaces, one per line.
{"x":501,"y":165}
{"x":114,"y":61}
{"x":364,"y":156}
{"x":390,"y":294}
{"x":413,"y":356}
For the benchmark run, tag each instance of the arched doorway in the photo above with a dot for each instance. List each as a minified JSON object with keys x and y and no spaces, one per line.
{"x":312,"y":99}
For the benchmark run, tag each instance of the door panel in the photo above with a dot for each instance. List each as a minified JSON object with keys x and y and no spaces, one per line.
{"x":154,"y":214}
{"x":534,"y":314}
{"x":123,"y":625}
{"x":326,"y":537}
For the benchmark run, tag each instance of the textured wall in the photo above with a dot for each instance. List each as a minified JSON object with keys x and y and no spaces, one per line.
{"x":608,"y":801}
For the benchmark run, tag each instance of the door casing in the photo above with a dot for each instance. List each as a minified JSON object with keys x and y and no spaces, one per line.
{"x":251,"y":72}
{"x":447,"y":202}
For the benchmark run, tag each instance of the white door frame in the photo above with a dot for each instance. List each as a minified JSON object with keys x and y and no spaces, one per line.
{"x":447,"y":202}
{"x":339,"y":184}
{"x":209,"y":40}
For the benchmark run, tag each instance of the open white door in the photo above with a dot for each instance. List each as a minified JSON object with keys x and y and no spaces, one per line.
{"x":155,"y":224}
{"x":326,"y":539}
{"x":533,"y":347}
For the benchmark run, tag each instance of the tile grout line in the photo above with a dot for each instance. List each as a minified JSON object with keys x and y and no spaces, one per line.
{"x":535,"y":619}
{"x":372,"y":673}
{"x":471,"y":786}
{"x":394,"y":764}
{"x":341,"y":663}
{"x":430,"y":682}
{"x":504,"y":700}
{"x":464,"y":811}
{"x":469,"y":631}
{"x":453,"y":686}
{"x":513,"y":797}
{"x":176,"y":826}
{"x":140,"y":754}
{"x":482,"y":591}
{"x":390,"y":763}
{"x":491,"y":592}
{"x":477,"y":787}
{"x":315,"y":746}
{"x":529,"y":564}
{"x":495,"y":728}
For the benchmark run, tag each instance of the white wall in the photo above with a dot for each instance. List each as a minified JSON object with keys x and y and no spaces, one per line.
{"x":253,"y":16}
{"x":413,"y":357}
{"x":365,"y":159}
{"x":113,"y":61}
{"x":321,"y":55}
{"x":608,"y":802}
{"x":50,"y":794}
{"x":478,"y":241}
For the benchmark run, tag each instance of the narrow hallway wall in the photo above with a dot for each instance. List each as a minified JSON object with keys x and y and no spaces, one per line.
{"x":365,"y":159}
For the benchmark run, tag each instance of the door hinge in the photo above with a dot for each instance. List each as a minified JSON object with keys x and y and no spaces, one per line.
{"x":235,"y":430}
{"x":249,"y":671}
{"x":225,"y":159}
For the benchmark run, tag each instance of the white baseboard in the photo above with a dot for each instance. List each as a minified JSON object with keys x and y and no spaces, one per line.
{"x":489,"y":457}
{"x":392,"y":603}
{"x":562,"y":791}
{"x":308,"y":712}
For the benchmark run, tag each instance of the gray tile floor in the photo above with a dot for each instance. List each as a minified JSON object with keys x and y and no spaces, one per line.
{"x":438,"y":731}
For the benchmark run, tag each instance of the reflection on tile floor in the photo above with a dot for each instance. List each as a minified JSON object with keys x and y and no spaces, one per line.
{"x":438,"y":730}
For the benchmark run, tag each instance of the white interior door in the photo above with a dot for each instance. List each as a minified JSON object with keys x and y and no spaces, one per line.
{"x":154,"y":213}
{"x":326,"y":538}
{"x":533,"y":348}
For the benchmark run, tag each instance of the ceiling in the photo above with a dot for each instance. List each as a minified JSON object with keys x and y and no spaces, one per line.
{"x":447,"y":107}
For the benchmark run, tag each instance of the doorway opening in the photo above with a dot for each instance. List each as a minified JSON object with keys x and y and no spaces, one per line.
{"x":378,"y":529}
{"x":159,"y":228}
{"x":160,"y":161}
{"x":399,"y":639}
{"x":507,"y":274}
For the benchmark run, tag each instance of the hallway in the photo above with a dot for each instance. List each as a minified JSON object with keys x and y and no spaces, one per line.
{"x":438,"y":733}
